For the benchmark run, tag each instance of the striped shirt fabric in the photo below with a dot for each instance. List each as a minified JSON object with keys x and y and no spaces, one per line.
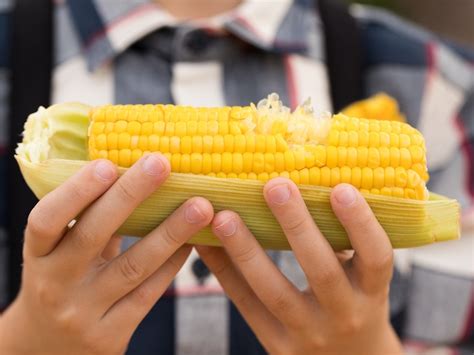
{"x":134,"y":52}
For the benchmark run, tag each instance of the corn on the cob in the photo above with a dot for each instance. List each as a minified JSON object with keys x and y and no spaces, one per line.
{"x":55,"y":146}
{"x":379,"y":107}
{"x":380,"y":157}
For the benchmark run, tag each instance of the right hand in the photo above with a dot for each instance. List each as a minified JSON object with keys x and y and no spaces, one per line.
{"x":78,"y":295}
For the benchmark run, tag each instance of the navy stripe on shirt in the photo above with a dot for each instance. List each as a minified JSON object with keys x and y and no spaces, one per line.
{"x":4,"y":39}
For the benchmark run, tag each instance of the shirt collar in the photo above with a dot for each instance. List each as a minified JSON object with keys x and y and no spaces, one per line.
{"x":105,"y":31}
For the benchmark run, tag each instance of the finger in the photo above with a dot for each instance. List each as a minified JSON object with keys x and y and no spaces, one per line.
{"x":129,"y":311}
{"x":318,"y":261}
{"x":264,"y":324}
{"x":48,"y":220}
{"x":130,"y":269}
{"x":268,"y":283}
{"x":344,"y":256}
{"x":373,"y":259}
{"x":112,"y":249}
{"x":94,"y":229}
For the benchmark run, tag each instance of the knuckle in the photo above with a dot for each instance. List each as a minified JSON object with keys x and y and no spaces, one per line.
{"x":143,"y":294}
{"x":221,"y":270}
{"x":76,"y":192}
{"x":243,"y":299}
{"x":47,"y":294}
{"x":83,"y":236}
{"x":317,"y":341}
{"x":170,"y":237}
{"x":296,"y":226}
{"x":382,"y":263}
{"x":351,"y":324}
{"x":326,"y":277}
{"x":280,"y":302}
{"x":360,"y":218}
{"x":69,"y":320}
{"x":38,"y":224}
{"x":244,"y":255}
{"x":130,"y":269}
{"x":126,"y":191}
{"x":94,"y":343}
{"x":279,"y":347}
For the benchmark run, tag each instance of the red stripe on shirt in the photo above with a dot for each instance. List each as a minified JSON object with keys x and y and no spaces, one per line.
{"x":469,"y":322}
{"x":290,"y":82}
{"x":243,"y":21}
{"x":118,"y":21}
{"x":430,"y":61}
{"x":468,"y":152}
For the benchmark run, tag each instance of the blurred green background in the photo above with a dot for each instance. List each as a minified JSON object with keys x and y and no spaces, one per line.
{"x":452,"y":19}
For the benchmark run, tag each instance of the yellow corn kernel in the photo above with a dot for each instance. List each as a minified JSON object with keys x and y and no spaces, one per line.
{"x":300,"y":160}
{"x":405,"y":158}
{"x":320,"y":156}
{"x":389,"y":176}
{"x":373,"y":159}
{"x":295,"y":176}
{"x":304,"y":176}
{"x":335,"y":176}
{"x":401,"y":177}
{"x":258,"y":163}
{"x":216,"y":162}
{"x":125,"y":157}
{"x":175,"y":162}
{"x":185,"y":164}
{"x":289,"y":161}
{"x":331,"y":160}
{"x":325,"y":176}
{"x":226,"y":163}
{"x":379,"y":177}
{"x":314,"y":176}
{"x":367,"y":178}
{"x":362,"y":156}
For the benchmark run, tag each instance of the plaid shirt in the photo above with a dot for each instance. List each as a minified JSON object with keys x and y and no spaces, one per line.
{"x":134,"y":52}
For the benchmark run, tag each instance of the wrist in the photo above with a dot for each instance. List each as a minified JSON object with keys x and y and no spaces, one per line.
{"x":10,"y":334}
{"x":389,"y":342}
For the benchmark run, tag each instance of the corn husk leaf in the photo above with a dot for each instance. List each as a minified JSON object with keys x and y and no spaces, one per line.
{"x":408,"y":223}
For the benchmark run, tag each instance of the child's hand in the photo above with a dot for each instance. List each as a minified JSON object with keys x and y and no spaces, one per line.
{"x":345,"y":309}
{"x":78,"y":295}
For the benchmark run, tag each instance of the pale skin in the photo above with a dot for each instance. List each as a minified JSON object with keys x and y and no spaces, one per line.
{"x":80,"y":295}
{"x":346,"y":303}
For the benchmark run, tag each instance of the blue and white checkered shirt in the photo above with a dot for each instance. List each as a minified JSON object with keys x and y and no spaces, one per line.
{"x":134,"y":52}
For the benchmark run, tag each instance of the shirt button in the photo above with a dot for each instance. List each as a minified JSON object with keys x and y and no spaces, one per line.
{"x":197,"y":42}
{"x":200,"y":271}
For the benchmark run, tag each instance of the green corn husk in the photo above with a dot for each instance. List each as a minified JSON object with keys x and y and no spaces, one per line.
{"x":408,"y":223}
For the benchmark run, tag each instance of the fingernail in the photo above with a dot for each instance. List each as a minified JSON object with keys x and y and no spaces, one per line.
{"x":279,"y":194}
{"x":153,"y":165}
{"x":346,"y":195}
{"x":227,"y":228}
{"x":104,"y":171}
{"x":193,"y":215}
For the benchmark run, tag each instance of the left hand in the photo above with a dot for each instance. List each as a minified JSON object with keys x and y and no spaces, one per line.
{"x":345,"y":308}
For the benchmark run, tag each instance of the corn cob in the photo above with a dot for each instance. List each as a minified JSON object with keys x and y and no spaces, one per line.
{"x":56,"y":140}
{"x":380,"y":107}
{"x":386,"y":158}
